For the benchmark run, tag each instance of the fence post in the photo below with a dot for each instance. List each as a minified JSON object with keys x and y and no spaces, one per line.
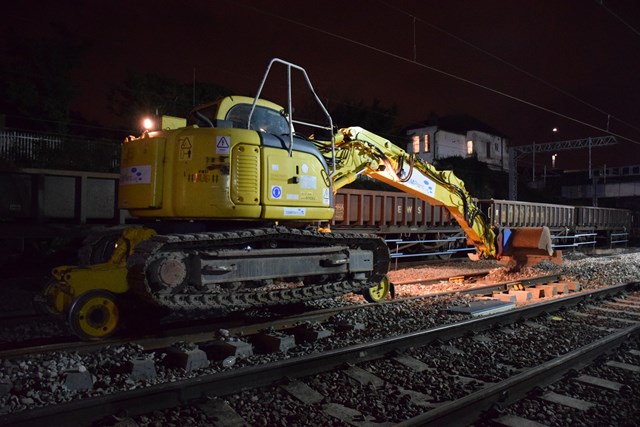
{"x":81,"y":199}
{"x":37,"y":196}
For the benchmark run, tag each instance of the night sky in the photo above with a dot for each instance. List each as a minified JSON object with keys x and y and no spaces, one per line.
{"x":522,"y":67}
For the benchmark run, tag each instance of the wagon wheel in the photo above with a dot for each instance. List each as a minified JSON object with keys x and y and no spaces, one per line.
{"x":94,"y":315}
{"x":447,"y":246}
{"x":379,"y":292}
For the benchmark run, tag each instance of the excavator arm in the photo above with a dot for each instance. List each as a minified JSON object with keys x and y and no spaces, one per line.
{"x":360,"y":152}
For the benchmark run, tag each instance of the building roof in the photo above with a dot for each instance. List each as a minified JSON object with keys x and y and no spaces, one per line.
{"x":459,"y":123}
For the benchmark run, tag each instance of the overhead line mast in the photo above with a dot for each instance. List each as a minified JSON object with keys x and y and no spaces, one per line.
{"x":517,"y":152}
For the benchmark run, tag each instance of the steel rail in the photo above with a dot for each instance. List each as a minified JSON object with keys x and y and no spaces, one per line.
{"x":192,"y":334}
{"x":470,"y":408}
{"x":162,"y":396}
{"x":441,"y":279}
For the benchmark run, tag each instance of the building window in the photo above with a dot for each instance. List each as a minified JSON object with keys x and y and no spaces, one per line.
{"x":415,"y":142}
{"x":426,"y":142}
{"x":488,"y":150}
{"x":470,"y":147}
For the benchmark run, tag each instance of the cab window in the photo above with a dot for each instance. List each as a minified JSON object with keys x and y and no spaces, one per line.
{"x":263,"y":119}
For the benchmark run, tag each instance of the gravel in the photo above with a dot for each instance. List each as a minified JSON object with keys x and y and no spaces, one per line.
{"x":591,"y":272}
{"x":611,"y":408}
{"x":39,"y":380}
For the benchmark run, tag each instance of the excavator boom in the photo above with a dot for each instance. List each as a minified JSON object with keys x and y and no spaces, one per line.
{"x":410,"y":174}
{"x":358,"y":151}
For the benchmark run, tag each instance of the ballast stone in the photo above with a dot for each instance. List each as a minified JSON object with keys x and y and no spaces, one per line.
{"x":5,"y":387}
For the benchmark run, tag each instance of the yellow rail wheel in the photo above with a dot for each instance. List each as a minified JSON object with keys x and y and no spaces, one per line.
{"x":379,"y":292}
{"x":94,"y":315}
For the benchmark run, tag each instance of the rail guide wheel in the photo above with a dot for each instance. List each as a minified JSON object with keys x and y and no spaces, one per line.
{"x":94,"y":315}
{"x":380,"y":291}
{"x":43,"y":301}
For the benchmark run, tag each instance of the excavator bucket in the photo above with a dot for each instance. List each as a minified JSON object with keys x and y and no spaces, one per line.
{"x":527,"y":246}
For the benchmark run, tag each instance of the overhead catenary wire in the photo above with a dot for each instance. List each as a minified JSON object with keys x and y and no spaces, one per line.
{"x":415,"y":18}
{"x":618,"y":17}
{"x":437,"y":70}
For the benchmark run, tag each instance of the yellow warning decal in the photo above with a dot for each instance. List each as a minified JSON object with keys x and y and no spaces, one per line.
{"x":186,"y":148}
{"x":223,"y":144}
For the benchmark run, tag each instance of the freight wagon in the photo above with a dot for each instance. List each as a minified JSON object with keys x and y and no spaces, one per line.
{"x":411,"y":226}
{"x":571,"y":226}
{"x":40,"y":205}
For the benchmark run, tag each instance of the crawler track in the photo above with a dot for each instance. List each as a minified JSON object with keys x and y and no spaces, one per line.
{"x":204,"y":261}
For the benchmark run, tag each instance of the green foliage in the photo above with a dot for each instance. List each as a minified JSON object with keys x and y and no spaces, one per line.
{"x":375,"y":117}
{"x":150,"y":93}
{"x":480,"y":181}
{"x":36,"y":85}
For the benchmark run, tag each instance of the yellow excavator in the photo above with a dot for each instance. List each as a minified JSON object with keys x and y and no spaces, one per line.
{"x":232,"y":206}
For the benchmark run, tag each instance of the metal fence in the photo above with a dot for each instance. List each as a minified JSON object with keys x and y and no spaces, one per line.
{"x":19,"y":149}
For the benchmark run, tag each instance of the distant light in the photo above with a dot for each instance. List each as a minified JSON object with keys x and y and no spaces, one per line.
{"x":555,"y":129}
{"x":147,"y":123}
{"x":415,"y":140}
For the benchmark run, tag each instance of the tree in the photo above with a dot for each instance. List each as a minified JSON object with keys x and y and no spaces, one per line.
{"x":480,"y":181}
{"x":150,"y":93}
{"x":375,"y":118}
{"x":37,"y":87}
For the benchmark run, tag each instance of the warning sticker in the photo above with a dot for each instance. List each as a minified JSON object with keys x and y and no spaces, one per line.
{"x":223,"y":143}
{"x":140,"y":174}
{"x":186,"y":148}
{"x":295,"y":212}
{"x":276,"y":191}
{"x":424,"y":185}
{"x":325,"y":196}
{"x":307,"y":181}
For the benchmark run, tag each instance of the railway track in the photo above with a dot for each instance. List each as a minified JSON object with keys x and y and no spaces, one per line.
{"x":603,"y":393}
{"x":366,"y":372}
{"x":241,"y":325}
{"x":25,"y":315}
{"x":19,"y":328}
